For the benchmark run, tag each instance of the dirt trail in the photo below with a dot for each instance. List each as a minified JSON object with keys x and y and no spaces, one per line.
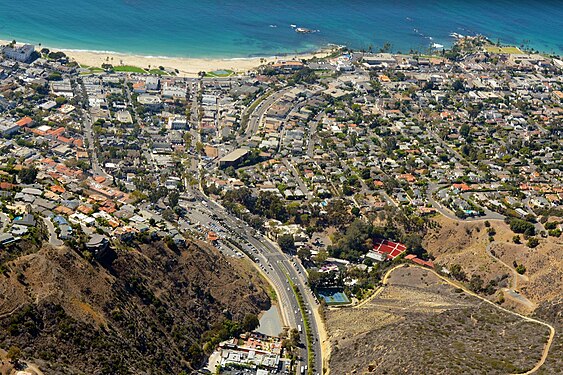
{"x":461,"y":286}
{"x":512,"y":292}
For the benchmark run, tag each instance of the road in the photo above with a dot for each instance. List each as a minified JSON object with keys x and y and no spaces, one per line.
{"x":432,"y":188}
{"x":276,"y":266}
{"x":297,"y":178}
{"x":53,"y":238}
{"x":256,"y":116}
{"x":80,"y":92}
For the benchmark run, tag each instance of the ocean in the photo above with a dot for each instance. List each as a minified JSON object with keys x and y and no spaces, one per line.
{"x":243,"y":28}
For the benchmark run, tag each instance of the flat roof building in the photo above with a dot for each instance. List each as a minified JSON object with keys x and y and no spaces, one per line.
{"x":234,"y":158}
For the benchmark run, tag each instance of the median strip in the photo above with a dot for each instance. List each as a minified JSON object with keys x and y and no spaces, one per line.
{"x":306,"y":323}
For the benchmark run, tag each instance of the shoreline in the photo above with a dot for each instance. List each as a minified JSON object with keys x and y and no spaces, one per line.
{"x":186,"y":66}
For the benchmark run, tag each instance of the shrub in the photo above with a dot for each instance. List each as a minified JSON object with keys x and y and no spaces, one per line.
{"x":516,"y":239}
{"x":521,"y":269}
{"x":533,"y":242}
{"x":522,"y":226}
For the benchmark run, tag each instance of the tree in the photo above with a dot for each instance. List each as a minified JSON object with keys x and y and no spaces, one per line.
{"x":250,"y":322}
{"x":169,"y":215}
{"x":464,"y":130}
{"x":304,"y":253}
{"x":28,"y":175}
{"x":458,"y":85}
{"x":522,"y":226}
{"x":337,"y":213}
{"x":14,"y":354}
{"x":413,"y":242}
{"x":521,"y":269}
{"x":60,"y":100}
{"x":199,"y":147}
{"x":188,"y":138}
{"x":516,"y":239}
{"x":476,"y":283}
{"x":173,"y":198}
{"x":355,"y":211}
{"x":287,"y":243}
{"x":321,"y":256}
{"x":457,"y":273}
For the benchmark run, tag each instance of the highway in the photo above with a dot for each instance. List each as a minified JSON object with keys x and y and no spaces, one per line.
{"x":276,"y":266}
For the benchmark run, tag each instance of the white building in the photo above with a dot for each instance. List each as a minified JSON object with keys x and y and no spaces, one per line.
{"x":19,"y":53}
{"x":178,"y":123}
{"x":208,"y":100}
{"x":8,"y":128}
{"x":176,"y":92}
{"x":152,"y":83}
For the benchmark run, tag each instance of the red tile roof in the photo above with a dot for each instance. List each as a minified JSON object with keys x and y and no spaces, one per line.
{"x":24,"y":121}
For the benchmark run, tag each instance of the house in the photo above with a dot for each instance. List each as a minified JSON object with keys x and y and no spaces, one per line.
{"x":26,"y":219}
{"x":288,"y":66}
{"x":66,"y":232}
{"x":6,"y":238}
{"x":98,"y":245}
{"x":19,"y":53}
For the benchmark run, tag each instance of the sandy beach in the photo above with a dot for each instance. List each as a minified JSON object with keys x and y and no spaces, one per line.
{"x":186,"y":66}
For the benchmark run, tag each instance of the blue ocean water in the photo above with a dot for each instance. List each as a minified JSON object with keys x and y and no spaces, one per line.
{"x":241,"y":28}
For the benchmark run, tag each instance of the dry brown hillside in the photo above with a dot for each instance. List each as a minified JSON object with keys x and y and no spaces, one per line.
{"x":149,"y":310}
{"x":419,"y":324}
{"x":465,"y":244}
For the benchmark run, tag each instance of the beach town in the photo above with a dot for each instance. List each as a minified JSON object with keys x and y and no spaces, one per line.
{"x":323,"y":170}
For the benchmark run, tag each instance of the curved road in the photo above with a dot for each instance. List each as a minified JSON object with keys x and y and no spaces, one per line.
{"x":278,"y":266}
{"x":53,"y":238}
{"x":432,"y":188}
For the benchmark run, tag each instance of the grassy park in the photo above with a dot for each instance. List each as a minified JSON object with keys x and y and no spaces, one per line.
{"x":507,"y":50}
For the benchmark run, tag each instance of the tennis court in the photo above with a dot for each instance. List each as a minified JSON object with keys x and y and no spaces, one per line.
{"x":333,"y":296}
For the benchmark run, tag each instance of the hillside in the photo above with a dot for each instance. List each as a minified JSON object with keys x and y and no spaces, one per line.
{"x":465,"y":243}
{"x":147,"y":310}
{"x":419,"y":324}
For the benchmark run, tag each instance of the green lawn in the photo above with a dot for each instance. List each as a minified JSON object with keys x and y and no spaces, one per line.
{"x":220,"y":73}
{"x":508,"y":49}
{"x":129,"y":68}
{"x":91,"y":69}
{"x":159,"y":72}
